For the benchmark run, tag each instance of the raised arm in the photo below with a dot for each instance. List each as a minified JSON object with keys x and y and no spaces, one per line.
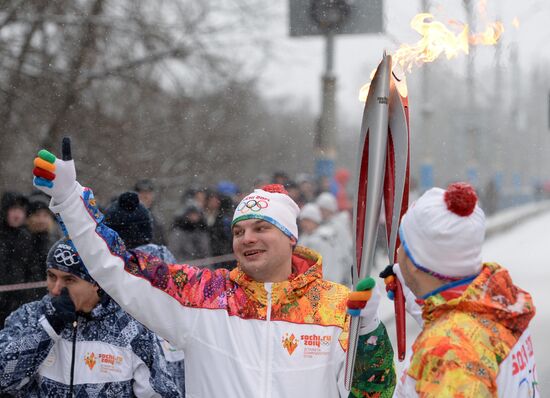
{"x":147,"y":293}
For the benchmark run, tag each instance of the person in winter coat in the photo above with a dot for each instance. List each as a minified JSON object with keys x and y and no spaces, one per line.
{"x":323,"y":239}
{"x":130,"y":219}
{"x":44,"y":232}
{"x":189,"y":238}
{"x":15,"y":251}
{"x":271,"y":327}
{"x":218,"y":211}
{"x":476,"y":339}
{"x":78,"y":342}
{"x":340,"y":223}
{"x":146,"y":192}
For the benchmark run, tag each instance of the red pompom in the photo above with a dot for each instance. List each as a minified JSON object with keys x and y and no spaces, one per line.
{"x":275,"y":188}
{"x":461,"y":198}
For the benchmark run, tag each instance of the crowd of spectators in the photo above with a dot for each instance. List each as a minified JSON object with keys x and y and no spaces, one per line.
{"x":27,"y":231}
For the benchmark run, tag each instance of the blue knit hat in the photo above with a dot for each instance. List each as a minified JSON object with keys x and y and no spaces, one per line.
{"x":64,"y":257}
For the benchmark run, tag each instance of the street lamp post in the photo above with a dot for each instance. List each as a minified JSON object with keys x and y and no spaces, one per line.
{"x":329,"y":18}
{"x":472,"y":138}
{"x":328,"y":15}
{"x":427,"y":167}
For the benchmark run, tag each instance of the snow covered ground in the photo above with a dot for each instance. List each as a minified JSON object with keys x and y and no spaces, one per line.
{"x":524,"y":250}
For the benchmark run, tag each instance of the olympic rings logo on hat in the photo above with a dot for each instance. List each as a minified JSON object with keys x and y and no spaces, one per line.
{"x":65,"y":257}
{"x":252,"y":205}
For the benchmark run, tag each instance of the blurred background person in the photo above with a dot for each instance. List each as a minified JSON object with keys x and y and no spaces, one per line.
{"x":130,"y":219}
{"x":294,"y":192}
{"x":195,"y":196}
{"x":15,"y":250}
{"x":146,"y":192}
{"x":280,"y":177}
{"x":229,"y":190}
{"x":218,"y":214}
{"x":323,"y":239}
{"x":340,"y":221}
{"x":308,"y":187}
{"x":44,"y":232}
{"x":260,"y":181}
{"x":188,"y":238}
{"x":341,"y":178}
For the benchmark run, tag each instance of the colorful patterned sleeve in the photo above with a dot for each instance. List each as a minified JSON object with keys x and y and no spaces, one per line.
{"x":374,"y":373}
{"x":191,"y":286}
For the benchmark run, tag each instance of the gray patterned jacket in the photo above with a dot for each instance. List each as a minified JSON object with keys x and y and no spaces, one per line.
{"x":114,"y":355}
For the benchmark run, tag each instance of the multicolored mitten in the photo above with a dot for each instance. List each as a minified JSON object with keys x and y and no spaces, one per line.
{"x":358,"y":299}
{"x":53,"y":176}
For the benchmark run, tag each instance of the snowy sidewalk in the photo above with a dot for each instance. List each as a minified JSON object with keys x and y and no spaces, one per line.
{"x":523,"y":250}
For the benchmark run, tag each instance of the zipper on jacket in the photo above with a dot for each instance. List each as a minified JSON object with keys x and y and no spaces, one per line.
{"x":269,"y":345}
{"x":75,"y":327}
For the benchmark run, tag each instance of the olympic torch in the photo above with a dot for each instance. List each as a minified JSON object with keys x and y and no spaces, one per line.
{"x":382,"y":175}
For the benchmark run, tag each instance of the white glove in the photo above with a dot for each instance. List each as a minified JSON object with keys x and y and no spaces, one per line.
{"x":53,"y":176}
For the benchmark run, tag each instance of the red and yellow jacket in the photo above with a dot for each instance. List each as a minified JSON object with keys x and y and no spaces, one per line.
{"x":475,"y":342}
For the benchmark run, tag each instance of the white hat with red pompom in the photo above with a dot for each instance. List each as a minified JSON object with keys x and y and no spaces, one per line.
{"x":271,"y":204}
{"x":443,"y":231}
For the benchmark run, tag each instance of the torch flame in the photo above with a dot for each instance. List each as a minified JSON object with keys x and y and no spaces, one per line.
{"x":489,"y":37}
{"x":437,"y":39}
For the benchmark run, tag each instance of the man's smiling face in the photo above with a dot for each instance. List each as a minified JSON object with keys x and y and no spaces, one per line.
{"x":263,"y":251}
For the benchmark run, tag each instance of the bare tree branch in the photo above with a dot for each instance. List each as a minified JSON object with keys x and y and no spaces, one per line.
{"x":12,"y":12}
{"x":176,"y":52}
{"x":15,"y":77}
{"x":87,"y":38}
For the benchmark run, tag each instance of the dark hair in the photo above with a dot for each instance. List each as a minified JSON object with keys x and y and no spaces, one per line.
{"x":37,"y":205}
{"x":144,"y":185}
{"x":12,"y":199}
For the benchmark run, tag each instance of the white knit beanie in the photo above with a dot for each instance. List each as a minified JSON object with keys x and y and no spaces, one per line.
{"x":327,"y":201}
{"x":443,"y":232}
{"x":272,"y":204}
{"x":311,"y":211}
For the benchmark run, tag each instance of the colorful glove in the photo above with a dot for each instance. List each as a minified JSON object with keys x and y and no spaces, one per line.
{"x":358,"y":299}
{"x":389,"y":280}
{"x":392,"y":273}
{"x":64,"y":311}
{"x":55,"y":177}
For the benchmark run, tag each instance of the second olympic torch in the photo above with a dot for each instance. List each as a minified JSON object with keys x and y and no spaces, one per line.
{"x":383,"y":173}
